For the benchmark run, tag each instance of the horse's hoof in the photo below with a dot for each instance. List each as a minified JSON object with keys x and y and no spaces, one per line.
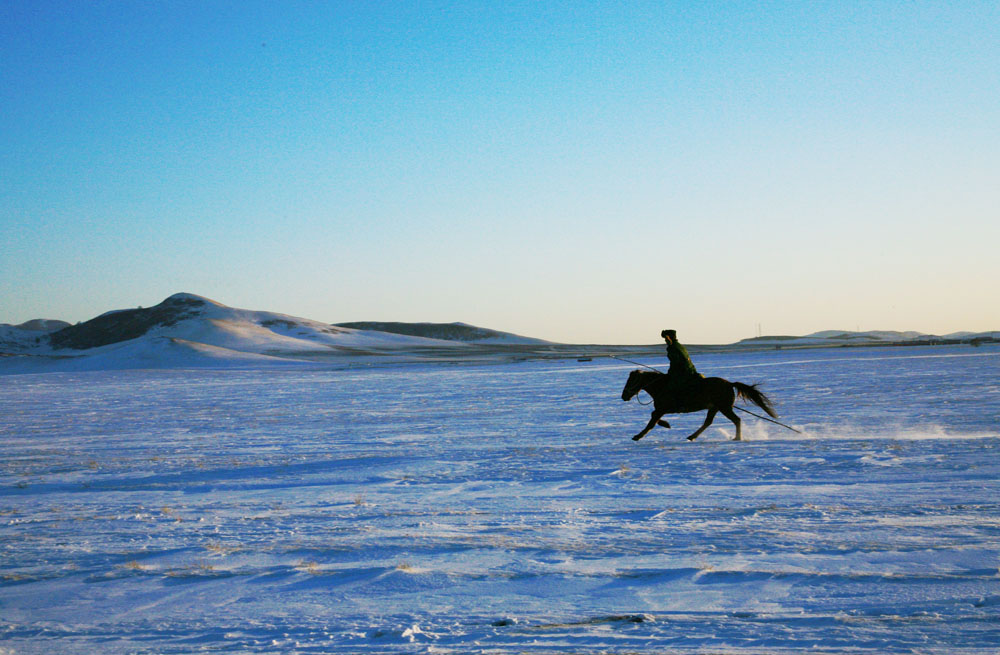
{"x":637,"y":437}
{"x":692,"y":438}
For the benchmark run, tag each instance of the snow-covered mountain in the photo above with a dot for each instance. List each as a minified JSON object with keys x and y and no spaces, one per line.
{"x":187,"y":330}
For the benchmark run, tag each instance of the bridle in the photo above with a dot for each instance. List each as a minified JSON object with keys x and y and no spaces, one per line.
{"x":636,"y":396}
{"x":651,"y":399}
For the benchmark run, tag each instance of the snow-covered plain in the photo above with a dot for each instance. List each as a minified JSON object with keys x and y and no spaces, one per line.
{"x":502,"y":508}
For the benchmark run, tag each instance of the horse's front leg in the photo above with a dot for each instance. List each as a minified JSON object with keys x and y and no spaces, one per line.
{"x":708,"y":421}
{"x":657,"y":415}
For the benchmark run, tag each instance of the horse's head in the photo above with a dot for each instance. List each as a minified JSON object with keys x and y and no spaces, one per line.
{"x":633,"y":385}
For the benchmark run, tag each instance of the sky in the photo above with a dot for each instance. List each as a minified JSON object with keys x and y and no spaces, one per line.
{"x":578,"y":172}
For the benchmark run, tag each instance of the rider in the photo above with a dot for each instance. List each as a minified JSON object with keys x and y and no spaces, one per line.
{"x":682,"y":374}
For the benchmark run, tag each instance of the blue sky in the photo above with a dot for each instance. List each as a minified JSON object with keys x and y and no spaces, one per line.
{"x":581,"y":172}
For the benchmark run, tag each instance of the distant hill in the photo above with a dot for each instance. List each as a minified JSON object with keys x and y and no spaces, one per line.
{"x":186,"y":330}
{"x":190,"y":331}
{"x":27,"y":335}
{"x":123,"y":325}
{"x":42,"y":325}
{"x":871,"y":338}
{"x":444,"y":331}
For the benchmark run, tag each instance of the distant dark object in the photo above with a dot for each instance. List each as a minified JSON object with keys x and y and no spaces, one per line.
{"x":713,"y":394}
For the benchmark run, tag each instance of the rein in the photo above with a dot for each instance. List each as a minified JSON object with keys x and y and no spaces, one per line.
{"x":651,"y":399}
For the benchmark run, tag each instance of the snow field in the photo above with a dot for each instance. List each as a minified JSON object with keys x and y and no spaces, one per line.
{"x":500,"y":509}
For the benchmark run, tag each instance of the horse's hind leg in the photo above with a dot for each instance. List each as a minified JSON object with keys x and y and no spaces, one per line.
{"x":731,"y":415}
{"x":708,"y":421}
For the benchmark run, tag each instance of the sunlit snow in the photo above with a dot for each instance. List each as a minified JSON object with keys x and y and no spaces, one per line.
{"x":502,"y":508}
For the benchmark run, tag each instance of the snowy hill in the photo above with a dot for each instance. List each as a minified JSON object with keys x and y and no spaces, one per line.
{"x":18,"y":338}
{"x":187,"y":330}
{"x":42,"y":325}
{"x":190,"y":331}
{"x":873,"y":335}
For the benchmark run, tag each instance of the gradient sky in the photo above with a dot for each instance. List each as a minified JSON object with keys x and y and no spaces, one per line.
{"x":580,"y":172}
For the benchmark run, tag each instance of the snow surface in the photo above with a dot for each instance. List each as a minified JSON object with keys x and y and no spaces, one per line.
{"x":504,"y":508}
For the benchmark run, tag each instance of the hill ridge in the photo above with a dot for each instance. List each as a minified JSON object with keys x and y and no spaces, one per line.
{"x":186,"y":330}
{"x":206,"y":333}
{"x":455,"y":331}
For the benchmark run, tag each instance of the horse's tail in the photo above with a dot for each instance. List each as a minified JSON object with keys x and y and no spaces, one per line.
{"x":753,"y":394}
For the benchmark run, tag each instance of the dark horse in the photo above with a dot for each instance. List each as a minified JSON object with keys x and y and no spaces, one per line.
{"x":714,"y":394}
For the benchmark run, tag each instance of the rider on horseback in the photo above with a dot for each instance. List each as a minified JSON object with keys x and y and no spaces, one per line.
{"x":682,"y":375}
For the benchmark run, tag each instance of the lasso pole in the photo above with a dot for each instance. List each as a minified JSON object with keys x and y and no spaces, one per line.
{"x":622,"y":359}
{"x":788,"y":427}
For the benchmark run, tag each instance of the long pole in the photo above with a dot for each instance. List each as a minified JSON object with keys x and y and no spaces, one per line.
{"x":768,"y":419}
{"x":622,"y":359}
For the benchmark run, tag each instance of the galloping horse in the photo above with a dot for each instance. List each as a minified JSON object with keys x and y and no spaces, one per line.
{"x":714,"y":394}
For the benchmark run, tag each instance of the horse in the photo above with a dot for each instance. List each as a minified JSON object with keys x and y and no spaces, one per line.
{"x":714,"y":394}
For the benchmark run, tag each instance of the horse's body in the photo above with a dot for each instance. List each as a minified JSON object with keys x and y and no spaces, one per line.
{"x":714,"y":394}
